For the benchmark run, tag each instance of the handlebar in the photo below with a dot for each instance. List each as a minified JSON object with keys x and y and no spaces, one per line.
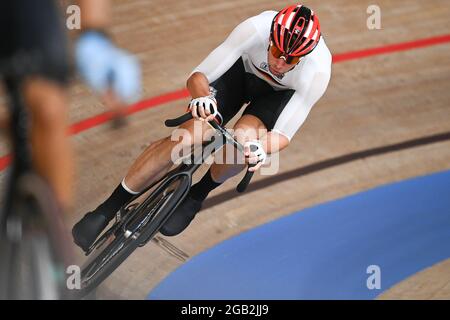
{"x":178,"y":121}
{"x":242,"y":186}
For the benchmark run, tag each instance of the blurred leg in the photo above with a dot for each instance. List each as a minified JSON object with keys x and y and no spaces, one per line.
{"x":51,"y":150}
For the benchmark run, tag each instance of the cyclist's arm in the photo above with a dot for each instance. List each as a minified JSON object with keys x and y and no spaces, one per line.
{"x":296,"y":111}
{"x":109,"y":70}
{"x":198,"y":85}
{"x":294,"y":114}
{"x":222,"y":58}
{"x":274,"y":142}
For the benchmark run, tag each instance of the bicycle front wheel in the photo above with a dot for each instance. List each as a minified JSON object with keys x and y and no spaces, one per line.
{"x":143,"y":221}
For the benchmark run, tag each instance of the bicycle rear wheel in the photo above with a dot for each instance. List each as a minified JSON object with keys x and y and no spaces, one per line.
{"x":143,"y":221}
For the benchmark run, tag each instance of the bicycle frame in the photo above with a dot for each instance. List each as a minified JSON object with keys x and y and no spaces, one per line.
{"x":227,"y":138}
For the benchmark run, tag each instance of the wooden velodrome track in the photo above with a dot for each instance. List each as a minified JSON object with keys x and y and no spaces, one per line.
{"x":371,"y":102}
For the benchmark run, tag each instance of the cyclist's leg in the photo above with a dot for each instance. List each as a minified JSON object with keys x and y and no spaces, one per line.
{"x":158,"y":157}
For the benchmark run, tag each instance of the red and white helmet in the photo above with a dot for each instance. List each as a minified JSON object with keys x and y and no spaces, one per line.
{"x":295,"y":30}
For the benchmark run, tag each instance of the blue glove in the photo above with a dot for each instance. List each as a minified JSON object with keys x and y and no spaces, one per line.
{"x":104,"y":66}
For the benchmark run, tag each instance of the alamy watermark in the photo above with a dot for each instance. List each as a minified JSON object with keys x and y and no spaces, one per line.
{"x":374,"y":280}
{"x":73,"y":281}
{"x":374,"y":19}
{"x":73,"y":20}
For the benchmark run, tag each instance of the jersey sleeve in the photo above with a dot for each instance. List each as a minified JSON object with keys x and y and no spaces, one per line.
{"x":224,"y":56}
{"x":297,"y":109}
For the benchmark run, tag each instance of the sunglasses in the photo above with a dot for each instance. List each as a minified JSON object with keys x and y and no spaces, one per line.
{"x":277,"y":53}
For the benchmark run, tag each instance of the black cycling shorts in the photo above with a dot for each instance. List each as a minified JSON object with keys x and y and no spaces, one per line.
{"x":33,"y":40}
{"x":237,"y":87}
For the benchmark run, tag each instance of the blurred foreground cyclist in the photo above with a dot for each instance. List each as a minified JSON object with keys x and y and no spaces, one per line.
{"x":35,"y":69}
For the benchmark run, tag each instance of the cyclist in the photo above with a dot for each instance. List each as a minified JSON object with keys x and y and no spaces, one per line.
{"x":34,"y":58}
{"x":277,"y":61}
